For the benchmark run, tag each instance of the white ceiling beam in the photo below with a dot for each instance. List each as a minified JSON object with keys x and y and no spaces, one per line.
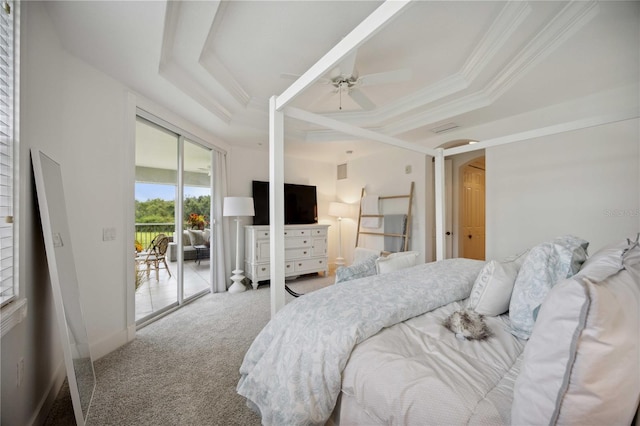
{"x":349,"y":129}
{"x":547,"y":131}
{"x":366,"y":29}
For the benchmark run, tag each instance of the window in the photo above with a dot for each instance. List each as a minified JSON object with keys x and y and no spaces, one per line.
{"x":8,"y":147}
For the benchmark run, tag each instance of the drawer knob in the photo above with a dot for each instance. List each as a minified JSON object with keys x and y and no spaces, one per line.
{"x":304,"y":242}
{"x":299,"y":264}
{"x":304,"y":252}
{"x":264,"y":269}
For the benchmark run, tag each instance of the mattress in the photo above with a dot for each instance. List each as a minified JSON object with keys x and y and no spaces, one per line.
{"x":418,"y":373}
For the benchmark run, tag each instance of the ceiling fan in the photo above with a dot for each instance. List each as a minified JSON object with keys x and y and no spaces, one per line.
{"x":345,"y":78}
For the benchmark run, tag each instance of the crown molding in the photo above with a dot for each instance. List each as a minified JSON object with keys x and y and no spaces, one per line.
{"x":214,"y":66}
{"x":511,"y":17}
{"x":182,"y":78}
{"x":571,"y":18}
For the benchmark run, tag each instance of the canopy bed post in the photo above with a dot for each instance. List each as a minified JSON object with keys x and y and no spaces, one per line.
{"x":276,"y":205}
{"x":440,"y":203}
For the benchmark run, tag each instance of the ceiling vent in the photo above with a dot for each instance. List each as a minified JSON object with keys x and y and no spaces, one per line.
{"x":444,"y":128}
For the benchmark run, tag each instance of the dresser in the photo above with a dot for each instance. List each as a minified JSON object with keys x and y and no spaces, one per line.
{"x":305,"y":251}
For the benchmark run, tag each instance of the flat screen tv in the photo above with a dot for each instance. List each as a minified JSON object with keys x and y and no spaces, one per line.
{"x":300,"y":204}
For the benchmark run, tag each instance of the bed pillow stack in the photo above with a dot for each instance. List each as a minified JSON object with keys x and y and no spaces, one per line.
{"x":580,"y":365}
{"x":369,"y":262}
{"x":544,"y":265}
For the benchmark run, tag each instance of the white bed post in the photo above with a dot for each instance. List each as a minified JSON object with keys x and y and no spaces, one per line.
{"x":276,"y":205}
{"x":440,"y":203}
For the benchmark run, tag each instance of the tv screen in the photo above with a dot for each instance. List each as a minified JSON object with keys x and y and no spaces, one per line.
{"x":300,"y":204}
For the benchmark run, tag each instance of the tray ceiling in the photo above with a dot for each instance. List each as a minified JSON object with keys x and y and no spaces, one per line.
{"x":217,"y":63}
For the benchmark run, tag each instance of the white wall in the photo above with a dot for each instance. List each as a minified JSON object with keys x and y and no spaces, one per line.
{"x":584,"y":183}
{"x":385,"y":174}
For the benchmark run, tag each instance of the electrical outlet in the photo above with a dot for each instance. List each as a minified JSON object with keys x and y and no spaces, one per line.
{"x":20,"y":372}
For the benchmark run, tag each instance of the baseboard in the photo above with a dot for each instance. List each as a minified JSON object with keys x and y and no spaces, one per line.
{"x":44,"y":407}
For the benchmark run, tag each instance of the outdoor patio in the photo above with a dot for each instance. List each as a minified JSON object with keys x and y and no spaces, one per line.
{"x":153,"y":295}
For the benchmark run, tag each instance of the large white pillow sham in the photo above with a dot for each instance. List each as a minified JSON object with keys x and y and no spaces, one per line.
{"x":580,"y":365}
{"x":586,"y":370}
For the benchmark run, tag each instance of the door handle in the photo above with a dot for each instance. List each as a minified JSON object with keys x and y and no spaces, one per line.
{"x":448,"y":233}
{"x":470,"y":236}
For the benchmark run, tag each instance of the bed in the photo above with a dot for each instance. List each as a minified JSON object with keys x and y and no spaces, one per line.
{"x":374,"y":351}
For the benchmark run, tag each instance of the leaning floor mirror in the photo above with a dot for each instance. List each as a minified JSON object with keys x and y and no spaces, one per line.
{"x":64,"y":283}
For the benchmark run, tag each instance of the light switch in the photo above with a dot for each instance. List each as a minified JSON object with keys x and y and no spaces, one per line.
{"x":108,"y":234}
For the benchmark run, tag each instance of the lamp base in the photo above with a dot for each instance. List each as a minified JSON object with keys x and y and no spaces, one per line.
{"x":237,"y":278}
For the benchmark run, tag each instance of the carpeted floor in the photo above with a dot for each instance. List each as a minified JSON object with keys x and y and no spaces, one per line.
{"x":183,"y":368}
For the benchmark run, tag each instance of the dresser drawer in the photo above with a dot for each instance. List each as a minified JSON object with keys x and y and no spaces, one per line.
{"x":262,"y":235}
{"x":288,"y":268}
{"x":309,"y":265}
{"x":296,"y":253}
{"x":319,"y":232}
{"x":297,"y":242}
{"x":297,"y":233}
{"x":263,"y":272}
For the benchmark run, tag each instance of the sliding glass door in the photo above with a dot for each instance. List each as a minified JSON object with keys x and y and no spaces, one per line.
{"x":172,"y":208}
{"x":197,"y":218}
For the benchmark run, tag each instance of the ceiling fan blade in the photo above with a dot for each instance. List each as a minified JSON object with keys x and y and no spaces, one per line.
{"x":362,"y":100}
{"x":321,"y":100}
{"x":386,"y":77}
{"x":347,"y":67}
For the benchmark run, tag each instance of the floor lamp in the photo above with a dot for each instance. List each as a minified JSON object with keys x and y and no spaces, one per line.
{"x":339,"y":210}
{"x":237,"y":206}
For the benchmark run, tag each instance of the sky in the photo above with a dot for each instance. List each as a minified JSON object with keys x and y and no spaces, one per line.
{"x":149,"y":191}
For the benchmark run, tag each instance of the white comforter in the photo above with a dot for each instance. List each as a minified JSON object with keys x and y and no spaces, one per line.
{"x":418,"y":373}
{"x":292,"y":371}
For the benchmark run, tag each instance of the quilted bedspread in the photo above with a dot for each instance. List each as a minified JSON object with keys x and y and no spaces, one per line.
{"x":292,"y":371}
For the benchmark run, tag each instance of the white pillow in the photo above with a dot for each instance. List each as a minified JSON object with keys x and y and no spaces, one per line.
{"x":607,"y":261}
{"x":492,"y":289}
{"x":396,"y":261}
{"x":360,"y":254}
{"x":580,"y":365}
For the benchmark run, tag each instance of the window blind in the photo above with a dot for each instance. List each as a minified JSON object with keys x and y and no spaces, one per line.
{"x":7,"y":141}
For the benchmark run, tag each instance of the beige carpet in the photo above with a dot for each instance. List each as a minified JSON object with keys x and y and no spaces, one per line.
{"x":183,"y":368}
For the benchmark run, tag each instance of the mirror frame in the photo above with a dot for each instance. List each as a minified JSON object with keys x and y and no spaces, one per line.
{"x":64,"y":283}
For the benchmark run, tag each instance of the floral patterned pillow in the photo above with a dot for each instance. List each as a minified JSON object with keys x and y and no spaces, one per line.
{"x":365,"y":268}
{"x":545,"y":265}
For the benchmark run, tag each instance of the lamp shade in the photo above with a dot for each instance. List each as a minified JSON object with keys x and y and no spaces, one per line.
{"x":338,"y":209}
{"x":238,"y":206}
